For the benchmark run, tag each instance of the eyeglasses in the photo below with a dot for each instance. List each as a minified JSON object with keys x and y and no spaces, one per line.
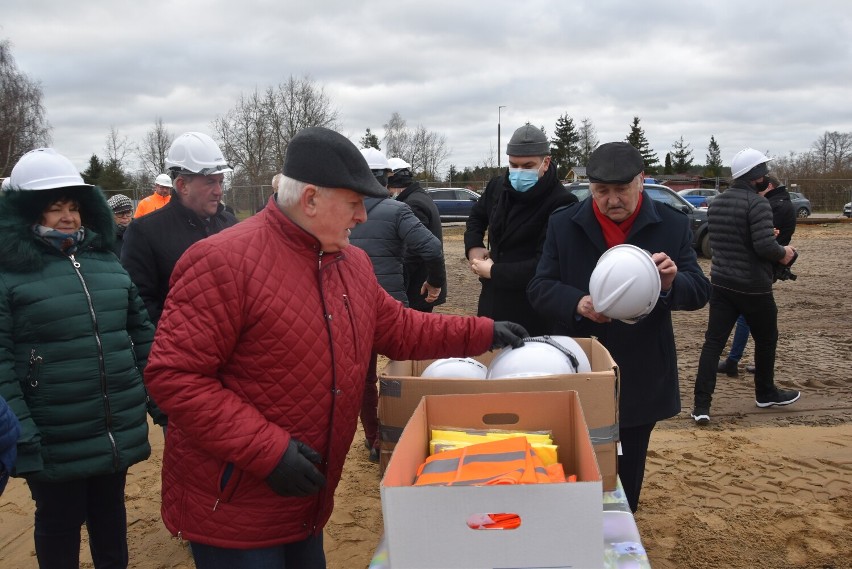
{"x":123,"y":214}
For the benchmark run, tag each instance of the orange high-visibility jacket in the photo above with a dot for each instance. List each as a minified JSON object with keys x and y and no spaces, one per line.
{"x":151,"y":203}
{"x":508,"y":461}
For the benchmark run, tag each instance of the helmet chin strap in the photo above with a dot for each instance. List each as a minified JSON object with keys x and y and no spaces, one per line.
{"x":551,"y":342}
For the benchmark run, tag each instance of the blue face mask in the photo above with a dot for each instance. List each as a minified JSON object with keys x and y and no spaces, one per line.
{"x":523,"y":179}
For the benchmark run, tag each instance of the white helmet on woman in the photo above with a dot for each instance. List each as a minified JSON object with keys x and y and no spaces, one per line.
{"x":196,"y":153}
{"x":625,"y":284}
{"x":44,"y":169}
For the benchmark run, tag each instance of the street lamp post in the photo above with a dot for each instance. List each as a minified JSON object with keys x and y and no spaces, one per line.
{"x":498,"y":134}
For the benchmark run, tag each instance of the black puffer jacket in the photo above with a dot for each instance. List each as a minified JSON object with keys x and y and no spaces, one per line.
{"x":516,"y":223}
{"x":783,"y":214}
{"x":416,"y":269}
{"x":743,"y":241}
{"x":154,"y":242}
{"x":390,"y":233}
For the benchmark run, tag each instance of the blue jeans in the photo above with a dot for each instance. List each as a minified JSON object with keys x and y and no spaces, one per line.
{"x":61,"y":510}
{"x":305,"y":554}
{"x":740,"y":339}
{"x":761,"y":314}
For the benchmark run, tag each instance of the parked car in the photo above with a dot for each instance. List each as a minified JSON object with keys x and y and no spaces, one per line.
{"x":699,"y":197}
{"x":801,"y":204}
{"x":454,"y":204}
{"x":664,"y":194}
{"x":847,"y":210}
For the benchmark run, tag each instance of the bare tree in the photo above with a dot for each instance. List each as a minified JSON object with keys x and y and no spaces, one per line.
{"x":833,"y":151}
{"x":425,"y":150}
{"x":588,"y":141}
{"x":296,"y":104}
{"x":154,"y":149}
{"x":23,"y":125}
{"x":117,"y":147}
{"x":246,"y":136}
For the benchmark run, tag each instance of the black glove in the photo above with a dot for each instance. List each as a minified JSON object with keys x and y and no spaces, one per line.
{"x":295,"y":474}
{"x":508,"y":334}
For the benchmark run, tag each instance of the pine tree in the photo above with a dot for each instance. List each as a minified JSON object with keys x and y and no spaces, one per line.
{"x":637,"y":139}
{"x":564,"y":148}
{"x":681,"y":156}
{"x":92,"y":174}
{"x":369,"y":140}
{"x":667,"y":169}
{"x":714,"y":159}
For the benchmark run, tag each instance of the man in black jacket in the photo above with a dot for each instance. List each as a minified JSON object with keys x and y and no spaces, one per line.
{"x":784,"y":220}
{"x":402,"y":186}
{"x":154,"y":243}
{"x":514,"y":210}
{"x":745,"y":253}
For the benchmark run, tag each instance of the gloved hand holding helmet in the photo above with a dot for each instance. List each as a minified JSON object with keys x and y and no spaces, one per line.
{"x":508,"y":334}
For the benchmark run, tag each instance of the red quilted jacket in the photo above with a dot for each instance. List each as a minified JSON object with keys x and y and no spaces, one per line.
{"x":262,"y":338}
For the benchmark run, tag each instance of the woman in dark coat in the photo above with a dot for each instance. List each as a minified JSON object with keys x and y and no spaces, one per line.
{"x":74,"y":338}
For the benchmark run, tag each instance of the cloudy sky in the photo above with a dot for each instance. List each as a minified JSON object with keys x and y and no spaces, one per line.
{"x":772,"y":74}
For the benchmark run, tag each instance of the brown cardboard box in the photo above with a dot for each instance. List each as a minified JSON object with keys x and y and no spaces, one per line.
{"x":561,"y":524}
{"x":401,"y":387}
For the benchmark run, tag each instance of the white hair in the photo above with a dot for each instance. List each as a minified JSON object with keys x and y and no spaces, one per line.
{"x":290,"y":191}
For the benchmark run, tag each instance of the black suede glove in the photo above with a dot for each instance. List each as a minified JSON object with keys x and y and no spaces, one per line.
{"x":296,"y":474}
{"x":508,"y":334}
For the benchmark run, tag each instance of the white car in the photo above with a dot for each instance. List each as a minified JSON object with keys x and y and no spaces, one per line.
{"x":847,"y":210}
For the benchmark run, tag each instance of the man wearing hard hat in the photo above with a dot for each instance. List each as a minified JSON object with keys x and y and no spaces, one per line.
{"x":745,"y":252}
{"x":637,"y":333}
{"x":160,"y":197}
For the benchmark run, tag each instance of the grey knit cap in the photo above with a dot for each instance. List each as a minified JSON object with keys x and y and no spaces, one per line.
{"x":528,"y":141}
{"x":120,"y":203}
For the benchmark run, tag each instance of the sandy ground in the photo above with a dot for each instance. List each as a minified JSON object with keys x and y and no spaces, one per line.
{"x":756,"y":488}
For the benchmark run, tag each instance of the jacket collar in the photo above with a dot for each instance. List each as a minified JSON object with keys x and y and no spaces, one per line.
{"x":296,"y":237}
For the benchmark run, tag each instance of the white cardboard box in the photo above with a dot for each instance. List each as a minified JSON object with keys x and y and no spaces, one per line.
{"x":561,"y":524}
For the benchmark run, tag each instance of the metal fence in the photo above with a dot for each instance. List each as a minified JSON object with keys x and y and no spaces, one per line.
{"x":827,"y":196}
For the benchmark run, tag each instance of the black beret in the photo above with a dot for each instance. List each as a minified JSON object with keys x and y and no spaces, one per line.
{"x":614,"y":163}
{"x":323,"y":157}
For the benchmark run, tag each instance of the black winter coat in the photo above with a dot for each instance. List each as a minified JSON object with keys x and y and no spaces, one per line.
{"x":645,"y":352}
{"x":416,"y":270}
{"x":390,"y":233}
{"x":783,"y":214}
{"x":516,"y":223}
{"x":745,"y":251}
{"x":154,"y":242}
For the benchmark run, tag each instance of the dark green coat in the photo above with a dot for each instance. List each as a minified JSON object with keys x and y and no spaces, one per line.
{"x":73,"y":343}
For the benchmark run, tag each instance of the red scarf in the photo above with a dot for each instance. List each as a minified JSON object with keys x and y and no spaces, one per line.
{"x":616,"y":233}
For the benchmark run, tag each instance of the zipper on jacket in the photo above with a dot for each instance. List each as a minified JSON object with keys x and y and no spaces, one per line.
{"x":101,"y":363}
{"x":33,"y":369}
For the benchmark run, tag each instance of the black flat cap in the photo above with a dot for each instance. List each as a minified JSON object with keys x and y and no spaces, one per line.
{"x":614,"y":163}
{"x":323,"y":157}
{"x":528,"y":141}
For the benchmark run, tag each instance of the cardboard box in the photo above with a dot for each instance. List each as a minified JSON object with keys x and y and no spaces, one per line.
{"x":561,"y":524}
{"x":401,"y":387}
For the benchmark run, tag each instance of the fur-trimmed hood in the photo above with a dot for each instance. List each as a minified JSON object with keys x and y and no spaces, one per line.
{"x":21,"y":251}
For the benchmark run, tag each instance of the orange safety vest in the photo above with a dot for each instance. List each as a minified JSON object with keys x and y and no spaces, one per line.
{"x":151,"y":203}
{"x":508,"y":461}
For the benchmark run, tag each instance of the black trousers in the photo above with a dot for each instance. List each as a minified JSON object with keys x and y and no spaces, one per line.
{"x":631,"y":463}
{"x":61,"y":510}
{"x":761,"y":315}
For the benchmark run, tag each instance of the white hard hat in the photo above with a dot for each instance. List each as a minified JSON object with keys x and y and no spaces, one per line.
{"x":745,"y":160}
{"x":164,"y":180}
{"x":583,"y":363}
{"x":375,"y":159}
{"x":625,"y":284}
{"x":539,"y":355}
{"x":5,"y":184}
{"x":398,"y":164}
{"x":196,"y":153}
{"x":45,"y":169}
{"x":466,"y":368}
